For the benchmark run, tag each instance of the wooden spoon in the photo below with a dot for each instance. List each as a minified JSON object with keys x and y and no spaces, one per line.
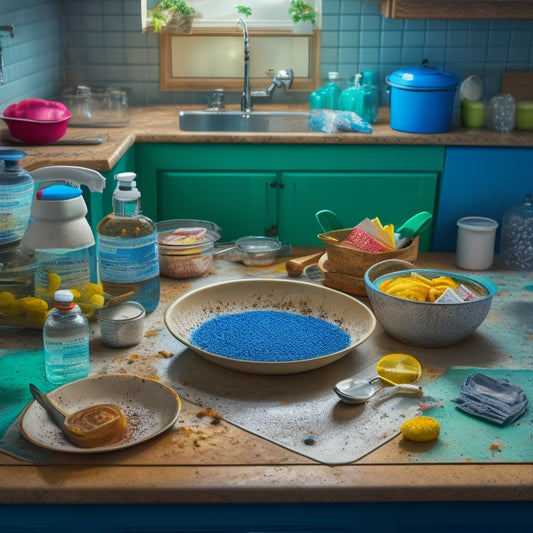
{"x":295,"y":267}
{"x":91,"y":427}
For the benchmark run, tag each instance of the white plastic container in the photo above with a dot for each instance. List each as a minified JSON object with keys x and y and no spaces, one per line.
{"x":475,"y":242}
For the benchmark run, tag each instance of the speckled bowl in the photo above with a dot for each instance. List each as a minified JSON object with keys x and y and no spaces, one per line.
{"x":421,"y":323}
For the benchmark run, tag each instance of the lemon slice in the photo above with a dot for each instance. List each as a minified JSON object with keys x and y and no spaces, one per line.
{"x":399,"y":368}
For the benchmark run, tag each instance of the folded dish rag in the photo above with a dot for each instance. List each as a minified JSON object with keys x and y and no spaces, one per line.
{"x":494,"y":400}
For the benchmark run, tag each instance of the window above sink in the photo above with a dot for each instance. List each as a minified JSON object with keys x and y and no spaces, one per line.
{"x":211,"y":55}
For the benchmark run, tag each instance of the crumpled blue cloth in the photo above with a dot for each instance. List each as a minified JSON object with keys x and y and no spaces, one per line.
{"x":491,"y":399}
{"x":330,"y":121}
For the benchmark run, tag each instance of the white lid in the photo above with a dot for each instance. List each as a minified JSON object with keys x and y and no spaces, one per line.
{"x":63,"y":296}
{"x":126,"y":187}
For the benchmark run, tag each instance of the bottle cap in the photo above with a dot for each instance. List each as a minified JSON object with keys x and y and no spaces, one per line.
{"x":126,"y":187}
{"x":63,"y":299}
{"x":12,"y":154}
{"x":58,"y":192}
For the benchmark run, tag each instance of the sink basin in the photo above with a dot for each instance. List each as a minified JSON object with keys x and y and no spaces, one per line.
{"x":258,"y":121}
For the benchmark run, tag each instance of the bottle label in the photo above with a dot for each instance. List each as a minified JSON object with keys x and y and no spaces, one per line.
{"x":128,"y":260}
{"x":15,"y":210}
{"x":72,"y":267}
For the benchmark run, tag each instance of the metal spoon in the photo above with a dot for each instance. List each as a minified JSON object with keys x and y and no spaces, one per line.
{"x":396,"y":369}
{"x":93,"y":426}
{"x":355,"y":391}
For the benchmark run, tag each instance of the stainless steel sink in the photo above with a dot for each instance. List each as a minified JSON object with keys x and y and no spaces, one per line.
{"x":253,"y":121}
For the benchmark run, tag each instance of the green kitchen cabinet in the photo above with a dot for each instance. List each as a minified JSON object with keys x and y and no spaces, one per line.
{"x":252,"y":189}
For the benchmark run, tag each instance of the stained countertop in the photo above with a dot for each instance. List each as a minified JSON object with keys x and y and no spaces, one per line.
{"x":206,"y":459}
{"x":159,"y":124}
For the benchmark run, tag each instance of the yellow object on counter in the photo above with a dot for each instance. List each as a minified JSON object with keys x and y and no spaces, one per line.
{"x":417,"y":287}
{"x":421,"y":429}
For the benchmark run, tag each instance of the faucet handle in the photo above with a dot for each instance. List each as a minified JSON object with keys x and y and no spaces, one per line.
{"x":215,"y":100}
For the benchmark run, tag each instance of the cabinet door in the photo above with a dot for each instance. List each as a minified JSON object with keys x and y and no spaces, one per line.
{"x":391,"y":196}
{"x":480,"y":181}
{"x":241,"y":203}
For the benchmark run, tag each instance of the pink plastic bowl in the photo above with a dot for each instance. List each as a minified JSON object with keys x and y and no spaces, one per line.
{"x":36,"y":121}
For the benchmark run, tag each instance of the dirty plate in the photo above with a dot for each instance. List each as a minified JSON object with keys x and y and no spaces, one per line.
{"x":150,"y":408}
{"x":191,"y":310}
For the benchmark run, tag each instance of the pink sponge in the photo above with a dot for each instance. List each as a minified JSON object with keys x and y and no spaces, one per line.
{"x":361,"y":240}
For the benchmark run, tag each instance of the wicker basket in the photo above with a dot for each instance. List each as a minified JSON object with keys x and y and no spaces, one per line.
{"x":353,"y":262}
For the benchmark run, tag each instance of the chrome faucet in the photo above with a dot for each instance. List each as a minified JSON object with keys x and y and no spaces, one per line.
{"x":283,"y":78}
{"x":246,"y":98}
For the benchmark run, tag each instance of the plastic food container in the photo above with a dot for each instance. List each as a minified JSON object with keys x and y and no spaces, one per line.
{"x":421,"y":99}
{"x":188,"y":257}
{"x":258,"y":251}
{"x":122,"y":325}
{"x":36,"y":121}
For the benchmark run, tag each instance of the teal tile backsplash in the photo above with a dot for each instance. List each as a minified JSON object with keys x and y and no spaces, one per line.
{"x":99,"y":42}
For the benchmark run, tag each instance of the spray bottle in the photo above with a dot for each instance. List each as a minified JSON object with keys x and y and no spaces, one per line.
{"x":59,"y":237}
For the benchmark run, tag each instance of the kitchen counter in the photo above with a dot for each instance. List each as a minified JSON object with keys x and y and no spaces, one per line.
{"x":198,"y":461}
{"x":159,"y":124}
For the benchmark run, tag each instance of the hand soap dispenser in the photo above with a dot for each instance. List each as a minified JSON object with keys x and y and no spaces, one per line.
{"x":59,"y":236}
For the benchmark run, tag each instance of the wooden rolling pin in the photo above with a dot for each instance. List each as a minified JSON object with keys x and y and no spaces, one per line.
{"x":295,"y":267}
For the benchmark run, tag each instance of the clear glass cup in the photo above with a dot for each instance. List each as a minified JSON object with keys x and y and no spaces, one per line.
{"x":501,"y":113}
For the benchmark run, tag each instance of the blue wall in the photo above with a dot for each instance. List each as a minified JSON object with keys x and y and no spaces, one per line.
{"x":99,"y":42}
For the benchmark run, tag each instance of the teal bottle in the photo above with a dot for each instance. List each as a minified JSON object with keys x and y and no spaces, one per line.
{"x":351,"y":99}
{"x":370,"y":99}
{"x":332,"y":91}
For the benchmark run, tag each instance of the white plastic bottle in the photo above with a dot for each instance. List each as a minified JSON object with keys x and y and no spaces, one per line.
{"x":128,"y":257}
{"x":66,"y":341}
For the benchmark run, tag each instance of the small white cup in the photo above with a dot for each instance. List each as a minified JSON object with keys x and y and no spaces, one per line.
{"x":475,"y":243}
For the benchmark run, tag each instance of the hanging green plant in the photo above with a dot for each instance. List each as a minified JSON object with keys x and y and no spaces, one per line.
{"x":173,"y":15}
{"x":300,"y":10}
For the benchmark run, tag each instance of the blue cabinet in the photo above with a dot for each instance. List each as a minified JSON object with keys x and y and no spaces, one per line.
{"x":479,"y":181}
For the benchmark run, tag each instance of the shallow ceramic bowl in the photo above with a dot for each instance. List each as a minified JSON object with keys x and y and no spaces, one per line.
{"x":150,"y":408}
{"x":421,"y":323}
{"x":191,"y":310}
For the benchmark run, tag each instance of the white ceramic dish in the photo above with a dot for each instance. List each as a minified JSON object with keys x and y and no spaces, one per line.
{"x":192,"y":309}
{"x":150,"y":408}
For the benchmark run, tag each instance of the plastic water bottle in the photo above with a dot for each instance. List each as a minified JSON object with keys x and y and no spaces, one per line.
{"x":370,"y":93}
{"x":351,"y":99}
{"x":128,"y":259}
{"x":327,"y":96}
{"x":16,"y":193}
{"x":332,"y":90}
{"x":66,"y":341}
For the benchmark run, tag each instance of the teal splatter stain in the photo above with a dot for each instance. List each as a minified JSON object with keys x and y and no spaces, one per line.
{"x":18,"y":369}
{"x":529,"y":287}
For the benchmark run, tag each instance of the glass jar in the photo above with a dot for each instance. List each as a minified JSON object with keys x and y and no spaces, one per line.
{"x":517,"y":236}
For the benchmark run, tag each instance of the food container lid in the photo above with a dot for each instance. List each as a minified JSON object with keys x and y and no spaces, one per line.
{"x":205,"y":245}
{"x":424,"y":77}
{"x":123,"y":312}
{"x":255,"y":244}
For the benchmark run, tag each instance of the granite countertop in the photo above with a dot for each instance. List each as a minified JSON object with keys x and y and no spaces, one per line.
{"x":159,"y":124}
{"x":199,"y":461}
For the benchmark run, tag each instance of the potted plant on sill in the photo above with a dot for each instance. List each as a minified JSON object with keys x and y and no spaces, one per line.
{"x":303,"y":16}
{"x":173,"y":15}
